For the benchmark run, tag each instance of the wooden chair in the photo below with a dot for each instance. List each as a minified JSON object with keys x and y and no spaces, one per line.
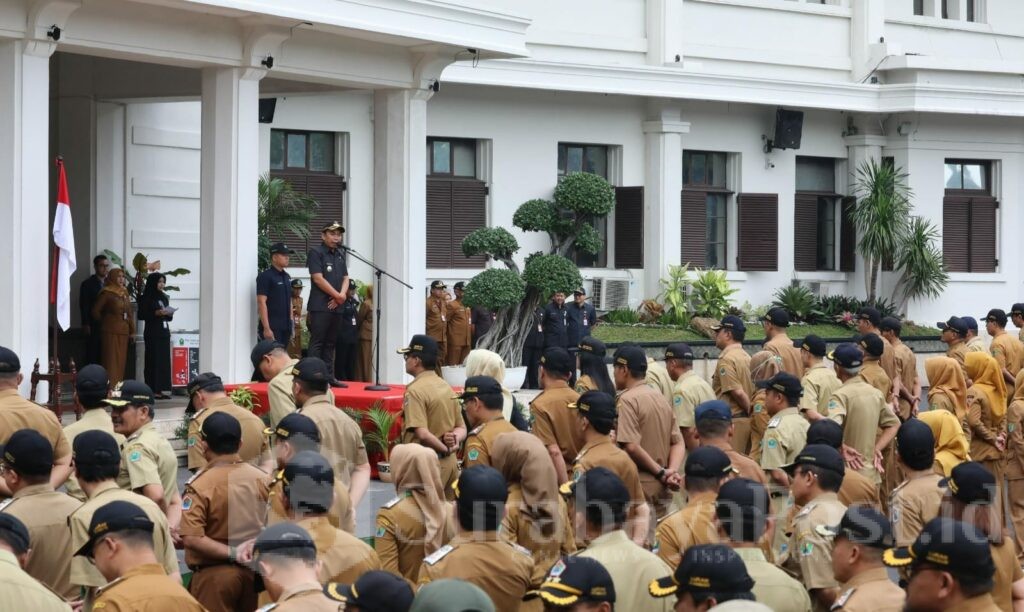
{"x":56,"y":378}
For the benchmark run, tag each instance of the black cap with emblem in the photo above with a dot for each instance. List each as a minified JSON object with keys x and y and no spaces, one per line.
{"x":28,"y":452}
{"x":949,"y":546}
{"x":777,"y":316}
{"x":334,"y":226}
{"x":311,"y":369}
{"x":95,"y":447}
{"x":573,"y":580}
{"x":597,"y":407}
{"x":286,"y":540}
{"x":280,"y":248}
{"x":92,"y":380}
{"x":818,"y":455}
{"x":813,"y":345}
{"x":872,"y":345}
{"x":861,"y":525}
{"x":679,"y":350}
{"x":954,"y":324}
{"x":131,"y":393}
{"x":708,"y":462}
{"x":375,"y":590}
{"x":295,"y":425}
{"x":558,"y":361}
{"x":632,"y":358}
{"x":871,"y":315}
{"x":207,"y":381}
{"x":847,"y":355}
{"x":593,"y":346}
{"x":221,"y":428}
{"x":438,"y":284}
{"x":421,"y":344}
{"x":14,"y":533}
{"x":112,"y":518}
{"x":971,"y":483}
{"x":707,"y":568}
{"x":480,"y":385}
{"x":786,"y":384}
{"x":9,"y":362}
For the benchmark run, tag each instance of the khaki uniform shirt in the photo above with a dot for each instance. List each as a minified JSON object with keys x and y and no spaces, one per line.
{"x":343,"y":557}
{"x":659,"y":379}
{"x":148,"y":458}
{"x":255,"y":447}
{"x":554,"y":423}
{"x":819,"y":382}
{"x":585,"y":383}
{"x":1009,"y":352}
{"x":19,"y":591}
{"x":976,"y":345}
{"x":145,"y":587}
{"x":784,"y":438}
{"x":870,"y":591}
{"x":459,"y":334}
{"x":1008,"y":571}
{"x":341,"y":513}
{"x":223,"y":503}
{"x":430,"y":402}
{"x":17,"y":413}
{"x":861,"y":410}
{"x":83,"y":572}
{"x":437,"y":319}
{"x":908,"y":375}
{"x":782,"y":346}
{"x":985,"y":427}
{"x":912,"y":504}
{"x":341,"y":439}
{"x":646,"y":419}
{"x":501,"y":569}
{"x":605,"y":453}
{"x":888,"y":361}
{"x":45,"y":512}
{"x":809,"y":554}
{"x":480,"y":440}
{"x":982,"y":603}
{"x":520,"y":528}
{"x":691,"y":526}
{"x":733,"y":374}
{"x":94,"y":419}
{"x":1015,"y":440}
{"x":744,"y":466}
{"x":689,"y":392}
{"x":958,"y":350}
{"x":874,"y":375}
{"x":857,"y":489}
{"x":279,"y":394}
{"x":772,"y":586}
{"x":304,"y":598}
{"x":632,"y":569}
{"x":399,"y":537}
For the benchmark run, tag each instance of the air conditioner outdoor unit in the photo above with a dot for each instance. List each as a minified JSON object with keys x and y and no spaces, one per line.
{"x":610,"y":293}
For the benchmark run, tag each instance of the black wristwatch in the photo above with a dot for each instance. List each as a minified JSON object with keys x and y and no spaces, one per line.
{"x":661,"y":474}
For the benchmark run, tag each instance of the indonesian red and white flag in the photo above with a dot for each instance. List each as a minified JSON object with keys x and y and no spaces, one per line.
{"x":65,"y":264}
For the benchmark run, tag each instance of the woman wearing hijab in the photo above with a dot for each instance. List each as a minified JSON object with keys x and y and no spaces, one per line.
{"x":113,"y":309}
{"x":414,"y":524}
{"x":364,"y":354}
{"x":154,"y":310}
{"x":951,"y":445}
{"x":1015,"y":461}
{"x":481,"y":362}
{"x":536,"y":516}
{"x":986,"y":414}
{"x":593,"y":371}
{"x":947,"y":388}
{"x":763,"y":366}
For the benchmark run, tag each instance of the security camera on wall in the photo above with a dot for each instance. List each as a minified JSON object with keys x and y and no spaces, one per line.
{"x":789,"y":125}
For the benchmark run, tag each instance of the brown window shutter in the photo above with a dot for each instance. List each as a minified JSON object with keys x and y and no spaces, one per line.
{"x":469,"y":213}
{"x":758,"y":231}
{"x":982,"y":236}
{"x":955,"y":233}
{"x":805,"y":232}
{"x":329,"y":192}
{"x":693,"y":233}
{"x":629,"y":227}
{"x":847,"y":237}
{"x":439,"y":223}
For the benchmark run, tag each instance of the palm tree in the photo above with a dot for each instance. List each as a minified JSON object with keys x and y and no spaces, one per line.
{"x":922,"y":271}
{"x":282,"y":212}
{"x":881,"y":216}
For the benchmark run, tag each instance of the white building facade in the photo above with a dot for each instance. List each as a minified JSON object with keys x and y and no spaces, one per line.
{"x":154,"y":107}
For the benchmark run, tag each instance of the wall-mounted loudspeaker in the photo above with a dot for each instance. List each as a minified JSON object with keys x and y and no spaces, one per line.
{"x":267,"y":108}
{"x":789,"y":126}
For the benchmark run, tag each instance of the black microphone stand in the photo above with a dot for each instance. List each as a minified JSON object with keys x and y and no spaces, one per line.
{"x":376,"y":386}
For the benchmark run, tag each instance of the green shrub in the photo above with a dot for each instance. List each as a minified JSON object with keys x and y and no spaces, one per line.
{"x":674,"y":295}
{"x":535,"y":215}
{"x":622,"y":316}
{"x":551,"y":273}
{"x":710,"y":294}
{"x":800,"y":302}
{"x":495,"y":288}
{"x":585,"y":193}
{"x":834,"y":305}
{"x":497,"y":242}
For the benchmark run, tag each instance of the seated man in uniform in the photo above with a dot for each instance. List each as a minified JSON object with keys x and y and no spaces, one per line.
{"x":207,"y":396}
{"x":121,"y":546}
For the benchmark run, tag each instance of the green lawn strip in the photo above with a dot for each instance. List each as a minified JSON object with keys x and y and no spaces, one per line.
{"x":614,"y":334}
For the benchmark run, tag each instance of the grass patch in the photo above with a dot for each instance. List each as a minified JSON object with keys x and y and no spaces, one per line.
{"x":613,"y":334}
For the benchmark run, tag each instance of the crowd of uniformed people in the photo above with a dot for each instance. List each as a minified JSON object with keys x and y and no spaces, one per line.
{"x":797,"y":478}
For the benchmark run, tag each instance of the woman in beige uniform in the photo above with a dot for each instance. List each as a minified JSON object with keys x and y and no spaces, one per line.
{"x":416,"y":523}
{"x":763,"y":366}
{"x":364,"y":354}
{"x":1015,"y":462}
{"x":986,"y":415}
{"x":113,"y":309}
{"x":947,"y":388}
{"x":951,"y":446}
{"x":536,"y":516}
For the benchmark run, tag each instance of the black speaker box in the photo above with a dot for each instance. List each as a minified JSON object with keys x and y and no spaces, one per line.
{"x":789,"y":126}
{"x":269,"y":105}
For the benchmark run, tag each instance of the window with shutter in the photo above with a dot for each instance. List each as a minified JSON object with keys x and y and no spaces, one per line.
{"x":758,"y":229}
{"x":805,"y":232}
{"x":329,"y":192}
{"x":455,"y":207}
{"x":629,"y":227}
{"x":969,"y":217}
{"x":694,"y":228}
{"x":983,"y":234}
{"x":847,"y":236}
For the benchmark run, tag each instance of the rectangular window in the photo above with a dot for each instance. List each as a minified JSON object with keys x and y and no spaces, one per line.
{"x":919,"y":7}
{"x":574,"y":157}
{"x":705,"y":205}
{"x":815,"y":174}
{"x":826,"y":233}
{"x":816,"y":205}
{"x":967,"y":175}
{"x":297,"y":151}
{"x":969,"y":217}
{"x":451,"y":157}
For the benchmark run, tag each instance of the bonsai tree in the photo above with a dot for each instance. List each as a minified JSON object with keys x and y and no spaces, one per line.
{"x":513,"y":293}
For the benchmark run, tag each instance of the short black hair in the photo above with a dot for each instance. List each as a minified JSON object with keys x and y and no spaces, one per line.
{"x":738,"y":336}
{"x":224,"y":445}
{"x":480,"y":515}
{"x":301,"y":442}
{"x":312,"y":388}
{"x":8,"y":538}
{"x":603,"y":513}
{"x":429,"y":361}
{"x":93,"y":473}
{"x":721,"y":598}
{"x":600,"y":426}
{"x":31,"y":479}
{"x":91,"y":399}
{"x":492,"y":401}
{"x":135,"y":537}
{"x":701,"y":484}
{"x":298,"y":554}
{"x":713,"y":428}
{"x":974,"y":586}
{"x":99,"y":258}
{"x":827,"y":479}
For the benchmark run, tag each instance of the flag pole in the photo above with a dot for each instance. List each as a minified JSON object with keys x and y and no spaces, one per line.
{"x":55,"y":360}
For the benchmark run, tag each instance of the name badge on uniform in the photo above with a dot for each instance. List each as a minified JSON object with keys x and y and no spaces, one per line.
{"x":124,"y":316}
{"x":443,"y":319}
{"x":586,"y":321}
{"x":353,"y":320}
{"x":330,"y":268}
{"x":540,"y":328}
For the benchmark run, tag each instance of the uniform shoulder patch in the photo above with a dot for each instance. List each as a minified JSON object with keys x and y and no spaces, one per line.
{"x":774,"y":422}
{"x":473,"y":453}
{"x":267,"y":608}
{"x":393,"y":502}
{"x":438,"y":554}
{"x":186,"y":503}
{"x":195,"y":416}
{"x":670,"y":514}
{"x":842,"y":599}
{"x":476,"y":430}
{"x":7,"y":502}
{"x":522,"y":549}
{"x":193,"y":478}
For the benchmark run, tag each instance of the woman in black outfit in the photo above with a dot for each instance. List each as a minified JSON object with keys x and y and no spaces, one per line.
{"x":154,"y":310}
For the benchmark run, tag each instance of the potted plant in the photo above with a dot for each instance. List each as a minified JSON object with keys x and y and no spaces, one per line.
{"x":378,"y":438}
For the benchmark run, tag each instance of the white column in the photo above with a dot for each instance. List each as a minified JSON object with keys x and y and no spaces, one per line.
{"x":25,"y":202}
{"x":227,"y":237}
{"x":400,"y":218}
{"x":866,"y":145}
{"x":663,"y":187}
{"x":867,"y":33}
{"x":664,"y":32}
